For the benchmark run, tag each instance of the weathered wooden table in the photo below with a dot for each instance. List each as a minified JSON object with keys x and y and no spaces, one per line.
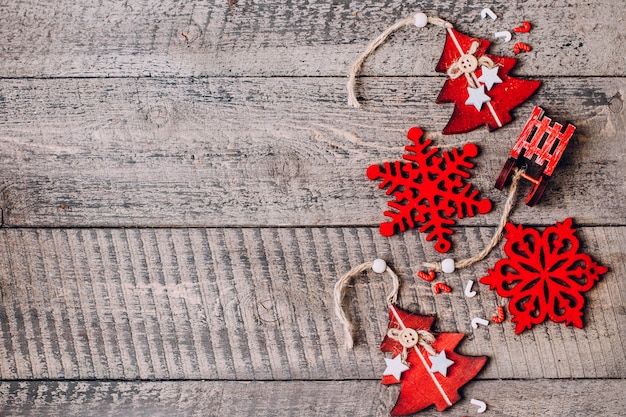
{"x":183,"y":182}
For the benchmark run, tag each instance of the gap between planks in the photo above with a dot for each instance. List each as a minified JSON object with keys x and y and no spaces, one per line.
{"x":294,"y":398}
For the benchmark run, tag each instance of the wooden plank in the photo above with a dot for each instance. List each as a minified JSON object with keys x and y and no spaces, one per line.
{"x":271,"y":152}
{"x":517,"y":398}
{"x":277,"y":38}
{"x":256,"y":304}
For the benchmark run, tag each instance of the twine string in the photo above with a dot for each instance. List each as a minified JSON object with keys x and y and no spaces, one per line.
{"x":339,"y":294}
{"x":455,"y":70}
{"x":508,"y":207}
{"x":424,"y":339}
{"x":379,"y":40}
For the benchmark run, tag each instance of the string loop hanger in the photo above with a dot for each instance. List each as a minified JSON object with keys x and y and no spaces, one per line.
{"x":379,"y":266}
{"x":420,"y":20}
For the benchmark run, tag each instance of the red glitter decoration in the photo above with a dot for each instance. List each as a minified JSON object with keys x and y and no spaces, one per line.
{"x":429,"y":189}
{"x":419,"y":389}
{"x":503,"y":96}
{"x":544,"y":275}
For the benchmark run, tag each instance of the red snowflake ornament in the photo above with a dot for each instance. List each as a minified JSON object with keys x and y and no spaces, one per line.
{"x":544,"y":275}
{"x":478,"y":84}
{"x":421,"y":386}
{"x":429,"y":189}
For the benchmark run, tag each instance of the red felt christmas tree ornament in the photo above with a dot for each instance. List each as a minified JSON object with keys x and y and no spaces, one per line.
{"x":478,"y":83}
{"x":425,"y":364}
{"x":434,"y":371}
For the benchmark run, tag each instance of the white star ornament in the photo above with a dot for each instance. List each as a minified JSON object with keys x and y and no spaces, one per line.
{"x":477,"y":97}
{"x":489,"y":76}
{"x":395,"y":367}
{"x":439,"y":363}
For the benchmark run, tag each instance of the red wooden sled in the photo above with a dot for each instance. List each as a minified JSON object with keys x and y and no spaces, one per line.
{"x":538,"y":149}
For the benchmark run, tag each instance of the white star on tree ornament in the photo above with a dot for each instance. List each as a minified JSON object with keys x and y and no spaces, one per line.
{"x":489,"y":76}
{"x":477,"y":97}
{"x":439,"y":363}
{"x":395,"y":367}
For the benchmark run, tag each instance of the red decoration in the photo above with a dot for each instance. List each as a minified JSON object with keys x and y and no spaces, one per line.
{"x":539,"y":145}
{"x":464,"y":59}
{"x":521,"y":47}
{"x":421,"y":388}
{"x":440,"y":286}
{"x":499,"y":317}
{"x":429,"y":189}
{"x":544,"y":275}
{"x":523,"y":28}
{"x":426,"y":276}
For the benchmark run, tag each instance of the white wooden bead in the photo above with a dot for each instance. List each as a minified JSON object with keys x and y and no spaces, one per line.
{"x":379,"y":266}
{"x":421,"y":20}
{"x":447,"y":265}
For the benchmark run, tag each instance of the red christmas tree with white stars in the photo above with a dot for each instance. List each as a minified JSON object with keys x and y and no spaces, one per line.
{"x":432,"y":372}
{"x":478,"y":84}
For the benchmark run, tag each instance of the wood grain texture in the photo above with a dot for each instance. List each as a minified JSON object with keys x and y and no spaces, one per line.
{"x":256,"y":304}
{"x":300,"y":398}
{"x":292,"y":38}
{"x":272,"y":152}
{"x":183,"y":182}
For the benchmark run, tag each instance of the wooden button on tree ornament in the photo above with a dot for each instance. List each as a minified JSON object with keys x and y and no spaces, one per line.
{"x":429,"y":189}
{"x":478,"y":83}
{"x":543,"y":275}
{"x":427,"y":367}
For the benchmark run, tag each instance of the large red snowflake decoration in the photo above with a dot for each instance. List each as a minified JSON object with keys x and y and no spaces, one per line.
{"x":479,"y":84}
{"x":423,"y":382}
{"x":429,"y":189}
{"x":544,"y":275}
